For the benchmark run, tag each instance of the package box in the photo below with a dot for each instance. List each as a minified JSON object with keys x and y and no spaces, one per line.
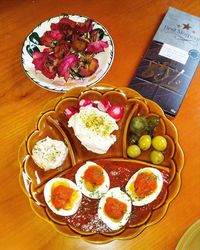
{"x":170,"y":62}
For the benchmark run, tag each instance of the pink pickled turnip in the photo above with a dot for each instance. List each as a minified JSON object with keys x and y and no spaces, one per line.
{"x":85,"y":102}
{"x":70,"y":111}
{"x":103,"y":105}
{"x":116,"y":112}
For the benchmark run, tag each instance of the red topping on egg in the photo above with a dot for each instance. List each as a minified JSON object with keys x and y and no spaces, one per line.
{"x":93,"y":177}
{"x":145,"y":184}
{"x":61,"y":196}
{"x":114,"y":208}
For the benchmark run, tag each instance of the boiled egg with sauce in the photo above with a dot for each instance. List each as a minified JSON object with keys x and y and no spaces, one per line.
{"x":92,"y":180}
{"x":62,"y":196}
{"x":49,"y":153}
{"x":144,"y":186}
{"x":115,"y":208}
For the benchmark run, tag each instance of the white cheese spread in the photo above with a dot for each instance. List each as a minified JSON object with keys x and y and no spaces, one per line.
{"x":49,"y":154}
{"x":94,"y":129}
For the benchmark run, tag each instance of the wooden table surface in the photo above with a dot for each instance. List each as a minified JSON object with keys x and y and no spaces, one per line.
{"x":132,"y":25}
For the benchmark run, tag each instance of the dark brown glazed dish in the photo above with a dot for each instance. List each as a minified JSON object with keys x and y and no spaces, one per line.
{"x":52,"y":122}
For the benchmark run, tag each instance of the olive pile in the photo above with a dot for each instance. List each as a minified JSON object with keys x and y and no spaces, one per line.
{"x":141,"y":138}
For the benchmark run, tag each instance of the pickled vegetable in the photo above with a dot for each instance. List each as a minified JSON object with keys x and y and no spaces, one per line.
{"x":144,"y":142}
{"x":138,"y":125}
{"x":153,"y":122}
{"x":156,"y":157}
{"x":133,"y":138}
{"x":133,"y":151}
{"x":159,"y":143}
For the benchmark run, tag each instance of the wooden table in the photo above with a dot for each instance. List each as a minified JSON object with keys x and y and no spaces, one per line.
{"x":132,"y":25}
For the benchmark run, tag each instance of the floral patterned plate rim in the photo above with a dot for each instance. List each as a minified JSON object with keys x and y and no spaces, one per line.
{"x":59,"y":84}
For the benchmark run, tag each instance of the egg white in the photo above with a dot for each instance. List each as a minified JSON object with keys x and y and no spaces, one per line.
{"x":47,"y":196}
{"x":121,"y":196}
{"x":49,"y":153}
{"x":148,"y":199}
{"x":97,"y":194}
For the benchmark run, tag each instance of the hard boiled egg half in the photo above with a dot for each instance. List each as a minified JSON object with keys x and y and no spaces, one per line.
{"x":62,"y":196}
{"x":144,"y":186}
{"x":115,"y":208}
{"x":92,"y":180}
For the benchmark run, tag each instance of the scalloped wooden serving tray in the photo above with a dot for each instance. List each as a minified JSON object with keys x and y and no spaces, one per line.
{"x":51,"y":122}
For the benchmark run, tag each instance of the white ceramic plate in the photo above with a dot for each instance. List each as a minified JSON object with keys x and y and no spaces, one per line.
{"x":105,"y":58}
{"x":190,"y":240}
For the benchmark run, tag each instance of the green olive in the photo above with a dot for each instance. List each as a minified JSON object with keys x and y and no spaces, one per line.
{"x":159,"y":143}
{"x":133,"y":151}
{"x":144,"y":142}
{"x":156,"y":157}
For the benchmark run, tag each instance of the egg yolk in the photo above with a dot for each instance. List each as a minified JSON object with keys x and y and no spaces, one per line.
{"x":145,"y":184}
{"x":114,"y":208}
{"x":61,"y":196}
{"x":93,"y":177}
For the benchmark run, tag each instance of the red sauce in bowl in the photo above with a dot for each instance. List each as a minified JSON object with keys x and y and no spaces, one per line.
{"x":119,"y":172}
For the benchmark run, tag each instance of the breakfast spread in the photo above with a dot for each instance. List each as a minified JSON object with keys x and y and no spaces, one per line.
{"x":101,"y":163}
{"x":116,"y":202}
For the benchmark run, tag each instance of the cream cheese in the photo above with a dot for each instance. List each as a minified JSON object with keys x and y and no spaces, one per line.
{"x":94,"y":129}
{"x":49,"y":154}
